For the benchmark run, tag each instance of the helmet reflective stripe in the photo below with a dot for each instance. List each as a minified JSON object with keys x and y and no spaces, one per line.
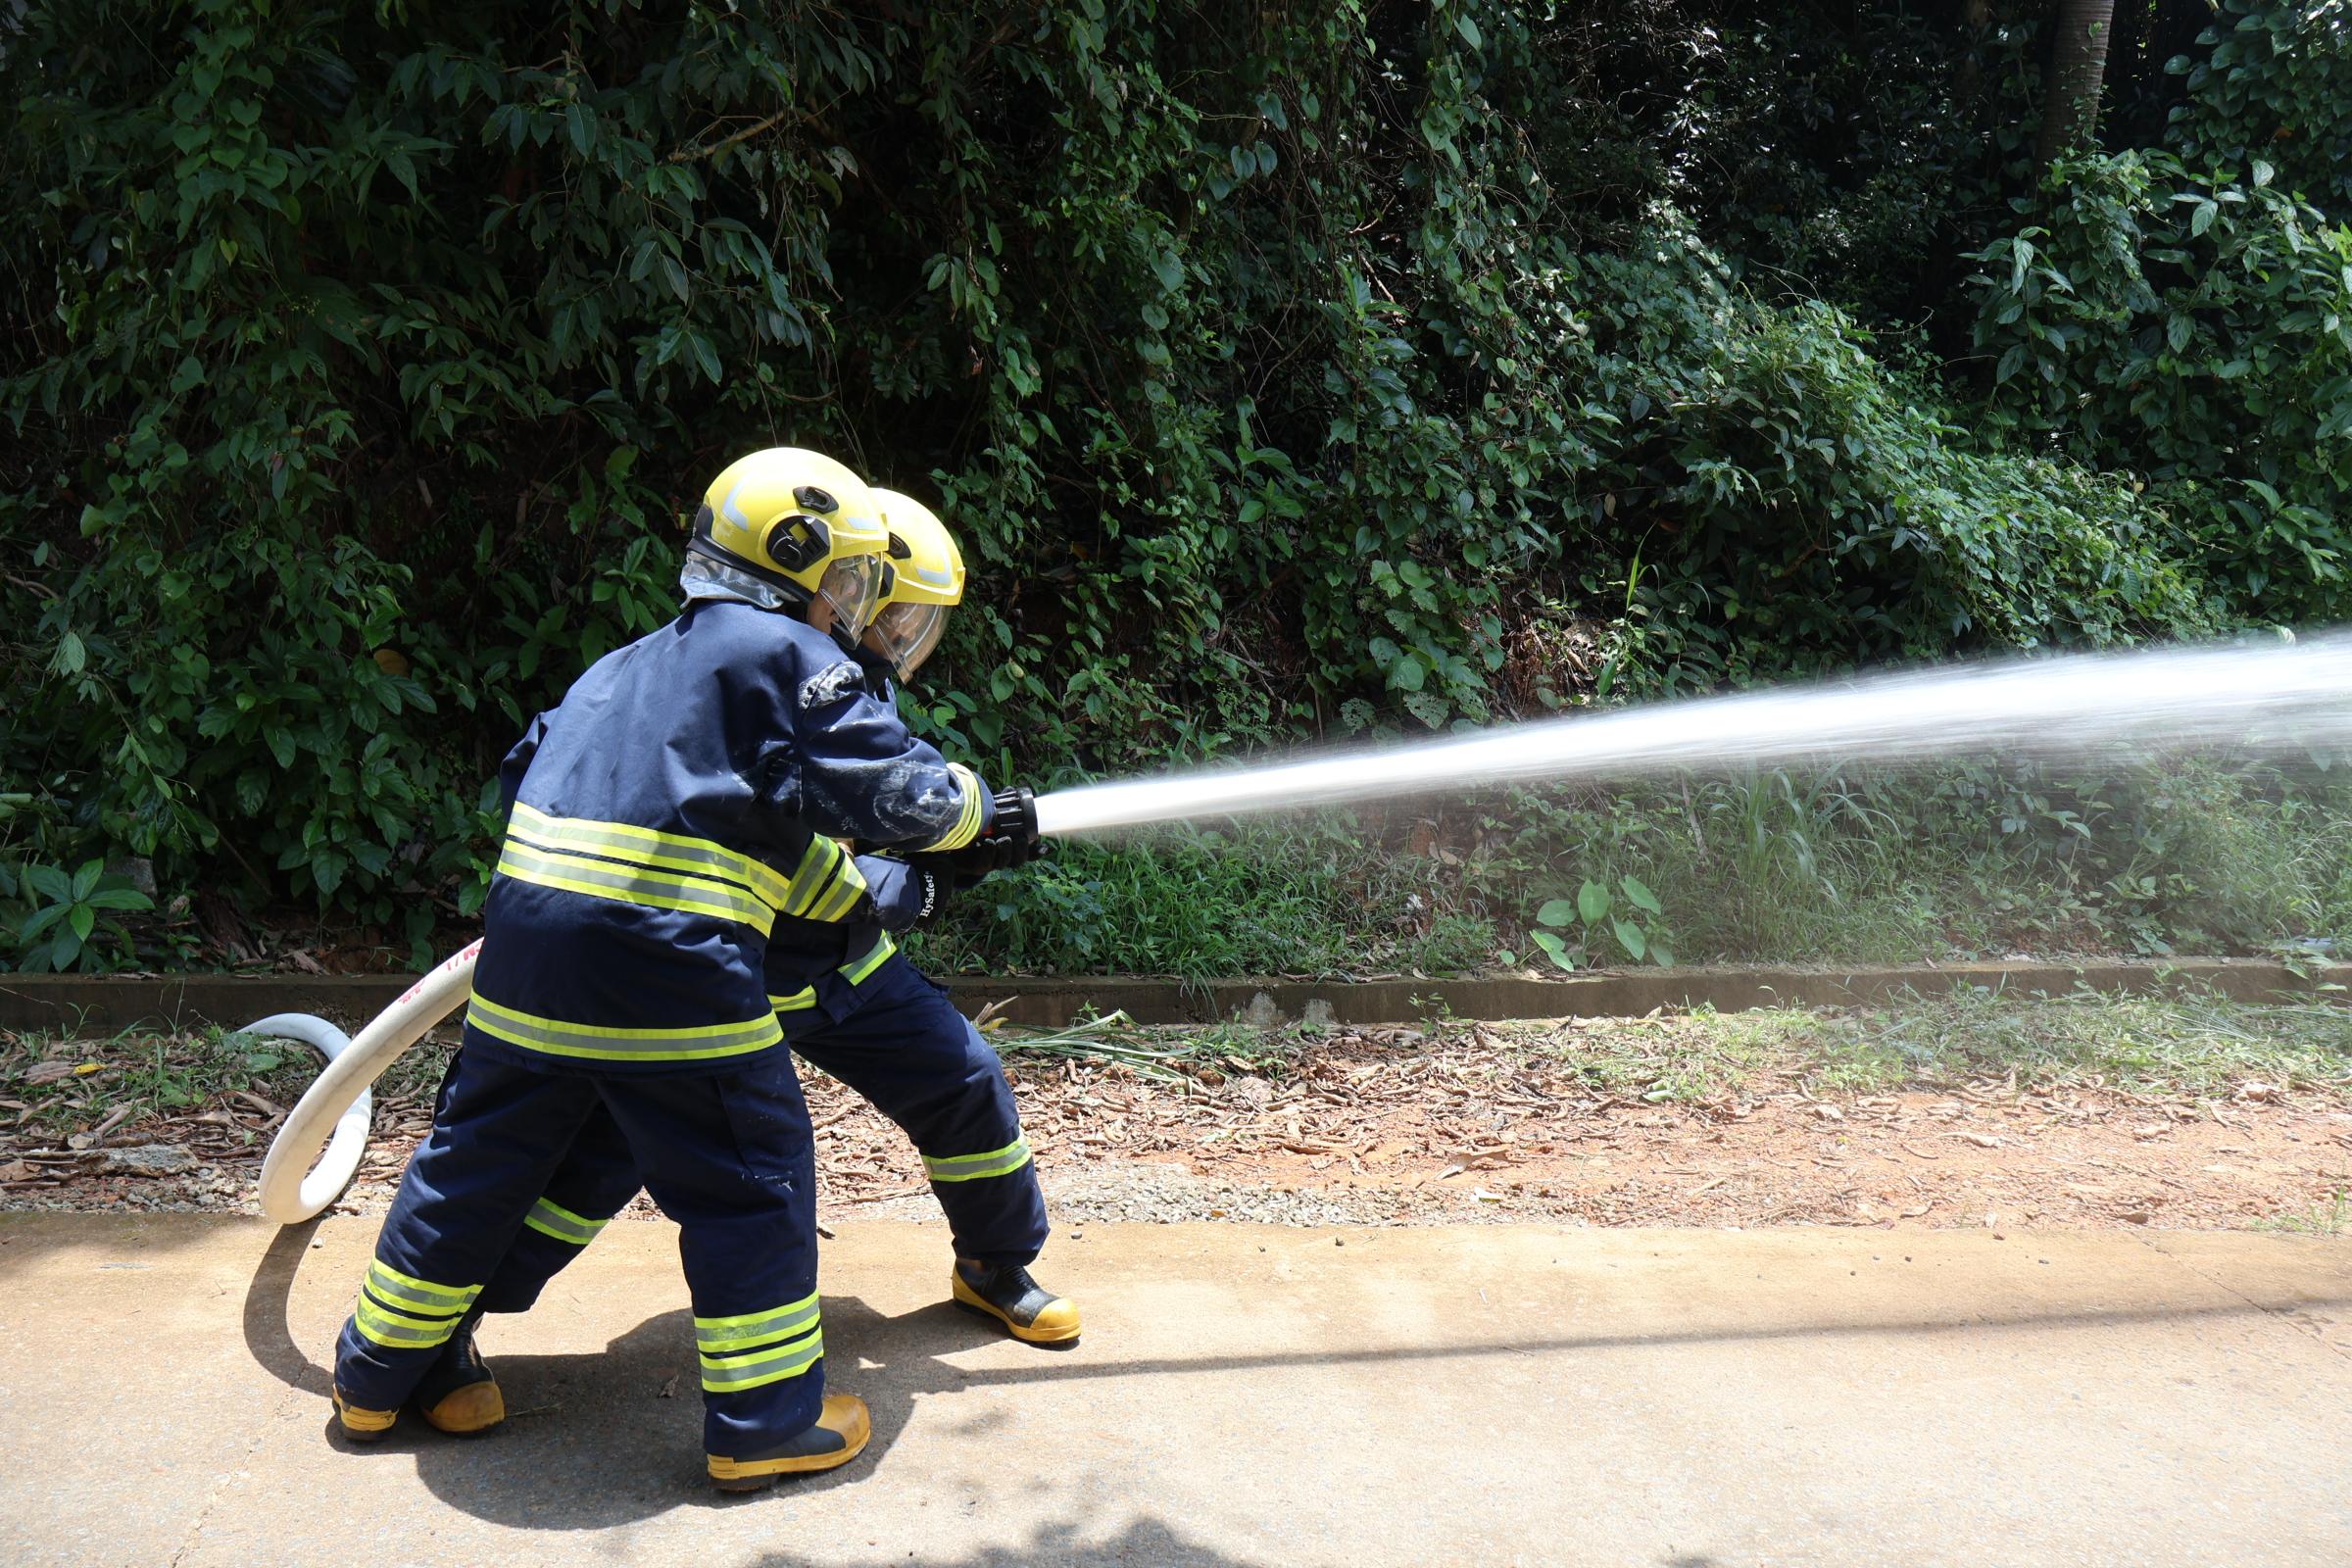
{"x":731,"y":510}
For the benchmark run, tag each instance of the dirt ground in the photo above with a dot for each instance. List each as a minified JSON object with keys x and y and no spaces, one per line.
{"x":1399,"y":1126}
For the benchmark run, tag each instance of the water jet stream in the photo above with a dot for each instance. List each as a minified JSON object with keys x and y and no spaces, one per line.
{"x":2285,"y":698}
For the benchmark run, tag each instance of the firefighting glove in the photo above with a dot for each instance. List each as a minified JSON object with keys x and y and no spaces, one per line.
{"x":952,"y":870}
{"x":939,"y":884}
{"x":1012,"y":840}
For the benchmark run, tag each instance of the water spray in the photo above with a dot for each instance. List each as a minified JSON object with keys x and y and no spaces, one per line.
{"x":2286,"y":700}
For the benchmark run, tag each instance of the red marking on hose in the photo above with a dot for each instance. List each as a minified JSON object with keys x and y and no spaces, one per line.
{"x":462,"y":955}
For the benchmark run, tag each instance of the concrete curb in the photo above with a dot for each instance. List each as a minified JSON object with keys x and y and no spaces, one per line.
{"x":107,"y":1004}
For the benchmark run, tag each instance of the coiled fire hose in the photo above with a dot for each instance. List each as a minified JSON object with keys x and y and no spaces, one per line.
{"x":319,"y":1150}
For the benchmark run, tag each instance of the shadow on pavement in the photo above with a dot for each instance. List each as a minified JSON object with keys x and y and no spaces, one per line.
{"x":631,"y":1418}
{"x":267,"y":1337}
{"x":1145,"y":1542}
{"x":2088,"y":1317}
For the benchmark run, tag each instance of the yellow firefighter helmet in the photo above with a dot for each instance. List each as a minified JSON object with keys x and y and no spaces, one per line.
{"x":804,"y":525}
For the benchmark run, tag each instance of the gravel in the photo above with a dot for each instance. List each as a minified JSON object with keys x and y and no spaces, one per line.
{"x":1136,"y":1192}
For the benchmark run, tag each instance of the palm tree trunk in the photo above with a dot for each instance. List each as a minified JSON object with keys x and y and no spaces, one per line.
{"x":2069,"y":110}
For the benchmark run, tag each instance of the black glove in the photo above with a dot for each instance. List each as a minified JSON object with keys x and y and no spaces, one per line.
{"x":943,"y":868}
{"x":938,"y":884}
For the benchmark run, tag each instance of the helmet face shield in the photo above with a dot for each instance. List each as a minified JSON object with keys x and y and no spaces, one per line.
{"x":852,"y":587}
{"x":905,"y":634}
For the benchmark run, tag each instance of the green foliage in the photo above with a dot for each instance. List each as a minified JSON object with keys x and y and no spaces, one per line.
{"x":1601,"y":915}
{"x":1965,"y":861}
{"x":1890,"y":134}
{"x":2272,"y":82}
{"x":69,"y":913}
{"x":1299,"y":898}
{"x":2198,"y":329}
{"x":324,"y":454}
{"x":1969,"y":862}
{"x":1288,"y":371}
{"x":1796,"y":501}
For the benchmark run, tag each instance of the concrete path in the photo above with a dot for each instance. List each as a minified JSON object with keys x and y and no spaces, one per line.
{"x":1244,"y":1396}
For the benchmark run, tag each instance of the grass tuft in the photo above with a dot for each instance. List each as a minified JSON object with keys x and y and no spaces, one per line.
{"x":69,"y":1083}
{"x":2330,"y":1218}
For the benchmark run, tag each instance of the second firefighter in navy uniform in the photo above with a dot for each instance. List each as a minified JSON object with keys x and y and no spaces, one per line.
{"x":876,"y":1023}
{"x":676,"y":826}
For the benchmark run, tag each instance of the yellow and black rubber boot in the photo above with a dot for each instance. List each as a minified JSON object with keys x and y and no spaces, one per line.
{"x":839,"y":1436}
{"x":363,"y":1424}
{"x":460,"y":1395}
{"x":1033,"y":1314}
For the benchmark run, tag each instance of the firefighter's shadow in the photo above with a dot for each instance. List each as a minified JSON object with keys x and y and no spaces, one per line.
{"x":607,"y":1437}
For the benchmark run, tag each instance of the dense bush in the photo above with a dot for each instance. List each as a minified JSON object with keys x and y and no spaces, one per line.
{"x":1797,"y":502}
{"x":2196,"y":329}
{"x":2270,"y":79}
{"x":1287,"y":369}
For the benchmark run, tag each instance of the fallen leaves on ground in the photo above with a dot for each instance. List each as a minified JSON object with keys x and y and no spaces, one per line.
{"x":1462,"y":1123}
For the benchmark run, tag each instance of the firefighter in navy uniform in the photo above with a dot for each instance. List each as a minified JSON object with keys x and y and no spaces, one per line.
{"x":851,"y":1004}
{"x":894,"y":1037}
{"x":688,"y":796}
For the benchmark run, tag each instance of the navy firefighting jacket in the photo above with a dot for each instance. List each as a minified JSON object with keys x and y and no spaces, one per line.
{"x":676,"y":816}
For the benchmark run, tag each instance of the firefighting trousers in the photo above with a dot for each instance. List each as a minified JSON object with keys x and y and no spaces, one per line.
{"x":901,"y":1044}
{"x":727,"y":1157}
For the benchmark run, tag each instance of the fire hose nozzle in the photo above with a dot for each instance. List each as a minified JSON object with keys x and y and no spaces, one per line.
{"x":1016,"y":815}
{"x":1011,"y":839}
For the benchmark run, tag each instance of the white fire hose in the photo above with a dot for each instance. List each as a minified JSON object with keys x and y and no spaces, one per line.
{"x":298,"y":1178}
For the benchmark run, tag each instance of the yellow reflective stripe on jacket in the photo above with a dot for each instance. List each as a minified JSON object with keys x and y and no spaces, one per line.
{"x":524,"y":862}
{"x":554,"y":1219}
{"x":641,"y":846}
{"x":968,"y":820}
{"x":971,"y":1167}
{"x":397,"y":1330}
{"x":816,"y":864}
{"x":840,"y":892}
{"x":728,"y":1373}
{"x":800,"y":1000}
{"x":405,"y":1290}
{"x":716,"y":1334}
{"x":826,"y":884}
{"x":857,"y":969}
{"x":597,"y":1042}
